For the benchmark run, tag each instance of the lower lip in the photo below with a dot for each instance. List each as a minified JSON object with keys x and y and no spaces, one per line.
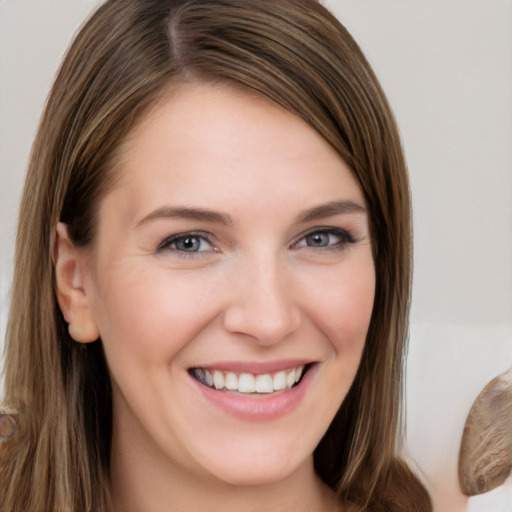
{"x":258,"y":407}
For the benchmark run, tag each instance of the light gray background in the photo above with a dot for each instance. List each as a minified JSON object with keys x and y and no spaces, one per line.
{"x":447,"y":68}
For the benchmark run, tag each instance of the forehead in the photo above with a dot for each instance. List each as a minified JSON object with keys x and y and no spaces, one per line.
{"x":207,"y":114}
{"x":214,"y":143}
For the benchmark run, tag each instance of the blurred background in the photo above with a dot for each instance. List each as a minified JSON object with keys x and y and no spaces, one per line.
{"x":446,"y":66}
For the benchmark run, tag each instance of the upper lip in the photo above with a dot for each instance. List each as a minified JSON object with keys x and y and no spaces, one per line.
{"x":256,"y":367}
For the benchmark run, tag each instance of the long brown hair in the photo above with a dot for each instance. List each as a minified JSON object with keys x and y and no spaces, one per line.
{"x":121,"y":62}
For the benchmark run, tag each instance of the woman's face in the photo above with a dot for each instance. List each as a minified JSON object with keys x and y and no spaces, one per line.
{"x":232,"y":260}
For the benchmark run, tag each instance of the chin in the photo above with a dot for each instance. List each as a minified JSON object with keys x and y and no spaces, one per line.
{"x":266,"y":469}
{"x":248,"y":476}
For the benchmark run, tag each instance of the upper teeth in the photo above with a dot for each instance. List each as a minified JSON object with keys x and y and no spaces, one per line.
{"x":249,"y":382}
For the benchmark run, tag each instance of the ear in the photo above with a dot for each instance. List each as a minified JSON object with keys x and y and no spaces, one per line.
{"x":74,"y":303}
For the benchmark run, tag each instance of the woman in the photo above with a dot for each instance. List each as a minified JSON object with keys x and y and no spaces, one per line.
{"x":212,"y":277}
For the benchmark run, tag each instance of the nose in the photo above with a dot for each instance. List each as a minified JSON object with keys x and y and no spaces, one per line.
{"x":263,"y":305}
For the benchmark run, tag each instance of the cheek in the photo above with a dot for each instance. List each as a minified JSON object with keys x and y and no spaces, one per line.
{"x":344,"y":310}
{"x":147,"y":315}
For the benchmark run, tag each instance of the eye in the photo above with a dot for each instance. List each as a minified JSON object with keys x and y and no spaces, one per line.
{"x":328,"y":238}
{"x":186,"y":243}
{"x":318,"y":240}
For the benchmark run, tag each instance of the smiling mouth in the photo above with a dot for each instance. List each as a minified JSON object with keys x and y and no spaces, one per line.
{"x":250,"y":383}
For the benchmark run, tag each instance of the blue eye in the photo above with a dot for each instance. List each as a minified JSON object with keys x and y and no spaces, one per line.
{"x":186,"y":243}
{"x":326,"y":238}
{"x":318,"y":240}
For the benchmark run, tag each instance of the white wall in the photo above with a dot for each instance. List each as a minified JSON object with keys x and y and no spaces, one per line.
{"x":447,"y":68}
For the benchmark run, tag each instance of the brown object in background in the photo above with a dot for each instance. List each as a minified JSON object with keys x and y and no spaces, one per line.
{"x":9,"y":427}
{"x":485,"y":456}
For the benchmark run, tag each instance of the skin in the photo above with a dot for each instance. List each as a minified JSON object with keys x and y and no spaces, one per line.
{"x":260,"y":288}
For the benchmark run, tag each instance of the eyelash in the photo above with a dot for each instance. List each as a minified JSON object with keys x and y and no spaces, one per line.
{"x":166,"y":245}
{"x":345,"y":238}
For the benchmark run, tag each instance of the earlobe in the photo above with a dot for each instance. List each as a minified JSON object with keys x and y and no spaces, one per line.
{"x":71,"y":294}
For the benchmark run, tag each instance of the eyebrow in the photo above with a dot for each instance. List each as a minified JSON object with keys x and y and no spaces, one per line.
{"x":330,"y":209}
{"x":205,"y":215}
{"x":199,"y":214}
